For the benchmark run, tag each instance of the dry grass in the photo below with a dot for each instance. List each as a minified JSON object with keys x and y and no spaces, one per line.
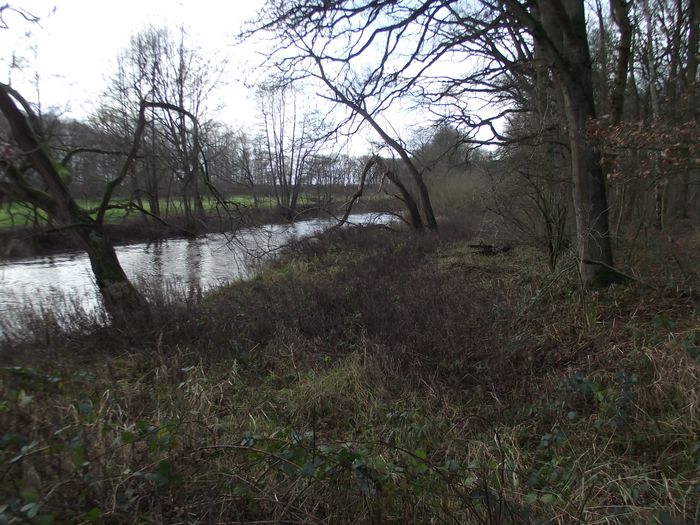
{"x":367,"y":377}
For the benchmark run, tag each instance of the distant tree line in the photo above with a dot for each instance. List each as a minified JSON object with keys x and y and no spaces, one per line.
{"x":174,"y":172}
{"x":239,"y":163}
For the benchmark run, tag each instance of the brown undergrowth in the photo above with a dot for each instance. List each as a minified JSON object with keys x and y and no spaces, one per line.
{"x":367,"y":377}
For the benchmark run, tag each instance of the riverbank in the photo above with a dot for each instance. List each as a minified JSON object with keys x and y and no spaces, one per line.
{"x":370,"y":377}
{"x":30,"y":241}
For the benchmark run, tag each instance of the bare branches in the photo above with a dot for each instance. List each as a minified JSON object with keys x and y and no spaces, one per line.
{"x":22,"y":13}
{"x":33,"y":118}
{"x":361,"y":187}
{"x":30,"y":146}
{"x":58,"y":200}
{"x":136,"y":142}
{"x":86,"y":149}
{"x":18,"y":188}
{"x":444,"y":54}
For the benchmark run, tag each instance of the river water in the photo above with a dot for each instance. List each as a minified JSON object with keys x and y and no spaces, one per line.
{"x":191,"y":264}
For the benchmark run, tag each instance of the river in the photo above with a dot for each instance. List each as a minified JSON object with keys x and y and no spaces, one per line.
{"x":65,"y":280}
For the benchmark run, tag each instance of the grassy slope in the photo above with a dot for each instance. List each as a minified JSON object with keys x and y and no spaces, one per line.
{"x":369,"y":378}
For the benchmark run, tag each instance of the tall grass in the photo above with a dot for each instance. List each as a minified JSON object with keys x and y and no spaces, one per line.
{"x":366,"y":377}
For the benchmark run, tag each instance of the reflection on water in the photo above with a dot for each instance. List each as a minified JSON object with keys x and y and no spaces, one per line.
{"x":202,"y":263}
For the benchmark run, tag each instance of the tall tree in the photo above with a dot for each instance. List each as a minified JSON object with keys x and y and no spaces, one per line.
{"x":346,"y":50}
{"x":52,"y":195}
{"x":451,"y":55}
{"x":559,"y":28}
{"x":292,"y":136}
{"x":164,"y":67}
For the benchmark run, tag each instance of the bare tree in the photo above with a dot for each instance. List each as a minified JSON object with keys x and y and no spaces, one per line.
{"x":244,"y":164}
{"x":333,"y":44}
{"x":292,"y":136}
{"x":9,"y":9}
{"x":31,"y":174}
{"x":405,"y":46}
{"x":166,"y":68}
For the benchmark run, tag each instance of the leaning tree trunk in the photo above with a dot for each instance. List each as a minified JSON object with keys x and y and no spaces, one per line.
{"x":406,"y":197}
{"x":423,"y":192}
{"x":408,"y":200}
{"x":121,"y":299}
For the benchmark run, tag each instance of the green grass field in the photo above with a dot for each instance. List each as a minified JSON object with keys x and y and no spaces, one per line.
{"x":19,"y":214}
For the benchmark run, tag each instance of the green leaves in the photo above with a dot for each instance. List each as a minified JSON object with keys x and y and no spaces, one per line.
{"x":94,"y":515}
{"x":23,"y":399}
{"x":127,"y":437}
{"x":164,"y":475}
{"x":547,"y":498}
{"x":31,"y":509}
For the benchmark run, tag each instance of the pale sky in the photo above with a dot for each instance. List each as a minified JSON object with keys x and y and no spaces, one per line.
{"x":77,"y":41}
{"x":77,"y":44}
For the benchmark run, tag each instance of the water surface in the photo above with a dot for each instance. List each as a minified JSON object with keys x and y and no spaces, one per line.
{"x":199,"y":263}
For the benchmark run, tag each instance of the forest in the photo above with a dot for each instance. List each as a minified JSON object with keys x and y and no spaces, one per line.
{"x":514,"y":337}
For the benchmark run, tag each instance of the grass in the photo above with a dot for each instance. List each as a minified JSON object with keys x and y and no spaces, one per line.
{"x":367,"y":377}
{"x":18,"y":214}
{"x":30,"y":241}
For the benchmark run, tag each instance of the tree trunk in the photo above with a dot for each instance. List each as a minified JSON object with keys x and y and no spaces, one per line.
{"x":121,"y":299}
{"x":406,"y":197}
{"x":570,"y":60}
{"x":620,"y":11}
{"x":423,"y":193}
{"x":198,"y":199}
{"x":589,"y":192}
{"x":590,"y":199}
{"x":690,"y":92}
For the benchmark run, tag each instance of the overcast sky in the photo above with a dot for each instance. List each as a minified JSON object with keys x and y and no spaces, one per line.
{"x":74,"y":48}
{"x":77,"y":42}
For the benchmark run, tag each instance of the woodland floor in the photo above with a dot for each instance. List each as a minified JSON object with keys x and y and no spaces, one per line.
{"x":370,"y":376}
